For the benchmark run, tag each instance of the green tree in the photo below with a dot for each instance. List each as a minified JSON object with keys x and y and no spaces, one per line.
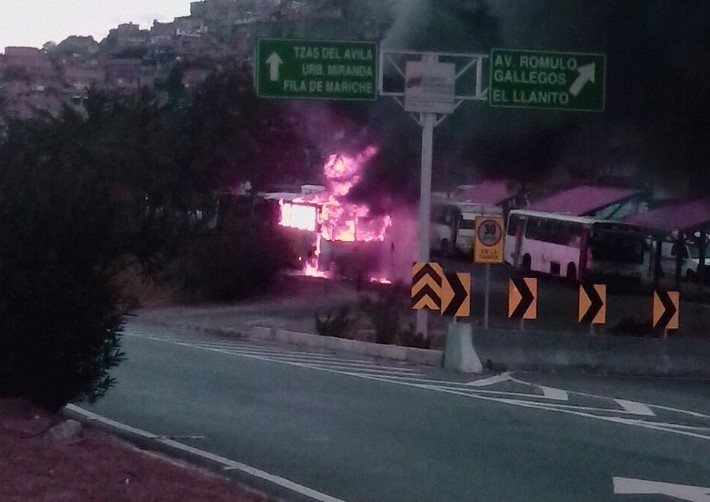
{"x":236,"y":136}
{"x":83,"y":197}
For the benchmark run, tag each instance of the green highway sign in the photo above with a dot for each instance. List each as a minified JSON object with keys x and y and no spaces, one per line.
{"x":554,"y":80}
{"x":315,"y":69}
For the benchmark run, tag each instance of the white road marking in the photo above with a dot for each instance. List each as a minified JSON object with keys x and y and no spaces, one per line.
{"x":254,"y":348}
{"x":476,"y":393}
{"x":676,"y":410}
{"x":326,"y":361}
{"x":226,"y":463}
{"x":636,"y":408}
{"x":484,"y":382}
{"x":336,"y":364}
{"x":553,"y":393}
{"x":631,"y":486}
{"x":550,"y":406}
{"x":549,"y":392}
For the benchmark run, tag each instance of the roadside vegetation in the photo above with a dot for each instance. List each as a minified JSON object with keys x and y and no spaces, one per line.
{"x":380,"y":317}
{"x":127,"y":188}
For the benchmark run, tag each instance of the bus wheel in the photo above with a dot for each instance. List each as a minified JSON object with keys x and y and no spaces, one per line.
{"x":527,"y":263}
{"x":571,"y":272}
{"x":444,"y":247}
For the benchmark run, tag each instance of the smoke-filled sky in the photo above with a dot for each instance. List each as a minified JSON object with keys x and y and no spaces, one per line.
{"x":34,"y":22}
{"x":658,"y":96}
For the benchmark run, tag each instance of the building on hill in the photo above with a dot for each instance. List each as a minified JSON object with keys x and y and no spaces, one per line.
{"x":190,"y":26}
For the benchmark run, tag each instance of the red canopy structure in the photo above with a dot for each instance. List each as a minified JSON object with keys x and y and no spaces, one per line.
{"x":585,"y":200}
{"x":686,"y":216}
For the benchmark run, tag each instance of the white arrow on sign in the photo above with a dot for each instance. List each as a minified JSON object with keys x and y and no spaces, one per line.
{"x":630,"y":486}
{"x":586,"y":74}
{"x":274,"y":61}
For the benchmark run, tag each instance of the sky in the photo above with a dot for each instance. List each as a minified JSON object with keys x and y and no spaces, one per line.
{"x":34,"y":22}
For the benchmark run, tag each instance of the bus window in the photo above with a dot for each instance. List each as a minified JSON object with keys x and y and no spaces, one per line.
{"x":466,"y":224}
{"x":534,"y":229}
{"x":513,"y":224}
{"x":617,"y":248}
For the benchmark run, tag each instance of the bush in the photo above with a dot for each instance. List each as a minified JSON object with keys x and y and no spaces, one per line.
{"x":60,"y":306}
{"x":384,"y":315}
{"x":337,"y":325}
{"x":408,"y":337}
{"x":236,"y":261}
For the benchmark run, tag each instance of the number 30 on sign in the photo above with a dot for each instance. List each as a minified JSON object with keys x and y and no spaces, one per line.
{"x":488,"y":245}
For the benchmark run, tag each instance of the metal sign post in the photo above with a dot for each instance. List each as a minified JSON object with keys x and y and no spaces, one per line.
{"x":487,"y":300}
{"x":428,"y":120}
{"x":488,"y":248}
{"x":425,"y":85}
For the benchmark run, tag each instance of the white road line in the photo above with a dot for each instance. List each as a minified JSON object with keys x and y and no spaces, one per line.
{"x":492,"y":392}
{"x":631,"y":486}
{"x":372,"y":370}
{"x":315,"y":366}
{"x":551,"y":406}
{"x":322,"y":360}
{"x":226,"y":463}
{"x":635,"y":408}
{"x":566,"y":409}
{"x":549,"y":392}
{"x":262,"y":348}
{"x":677,"y":410}
{"x":345,"y":366}
{"x":547,"y":407}
{"x":484,"y":382}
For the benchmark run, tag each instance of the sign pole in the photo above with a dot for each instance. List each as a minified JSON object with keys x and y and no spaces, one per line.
{"x":428,"y":120}
{"x":487,"y":300}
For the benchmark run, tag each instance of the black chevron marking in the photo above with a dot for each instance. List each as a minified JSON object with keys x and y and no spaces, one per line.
{"x":460,"y":295}
{"x":595,"y":306}
{"x":669,"y":307}
{"x":427,"y":270}
{"x":427,"y":292}
{"x":525,"y":301}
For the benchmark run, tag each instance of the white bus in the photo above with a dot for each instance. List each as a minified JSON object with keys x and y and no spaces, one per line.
{"x":452,"y":225}
{"x":576,"y":247}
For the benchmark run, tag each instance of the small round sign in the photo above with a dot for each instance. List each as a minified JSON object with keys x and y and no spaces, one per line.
{"x":489,"y":233}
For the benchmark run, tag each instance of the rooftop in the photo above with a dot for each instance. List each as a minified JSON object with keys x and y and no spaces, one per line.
{"x":583,"y":200}
{"x":487,"y":192}
{"x":688,"y":215}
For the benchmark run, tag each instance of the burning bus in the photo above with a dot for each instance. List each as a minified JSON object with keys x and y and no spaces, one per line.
{"x":335,"y":237}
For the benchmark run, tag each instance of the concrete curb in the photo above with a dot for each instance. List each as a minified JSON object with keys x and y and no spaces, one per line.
{"x":517,"y":351}
{"x":411,"y":355}
{"x":275,"y":487}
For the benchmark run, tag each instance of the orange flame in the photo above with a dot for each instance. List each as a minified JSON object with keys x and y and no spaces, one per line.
{"x":336,"y":219}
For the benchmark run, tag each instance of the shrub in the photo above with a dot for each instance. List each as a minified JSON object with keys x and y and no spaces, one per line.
{"x":60,"y":306}
{"x":384,"y":315}
{"x":235,"y":261}
{"x":336,"y":325}
{"x":409,"y":337}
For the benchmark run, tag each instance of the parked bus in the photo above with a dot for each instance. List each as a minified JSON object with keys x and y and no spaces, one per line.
{"x":578,"y":248}
{"x":452,"y":225}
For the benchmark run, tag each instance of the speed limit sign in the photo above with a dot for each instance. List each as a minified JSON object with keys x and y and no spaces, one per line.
{"x":488,"y":246}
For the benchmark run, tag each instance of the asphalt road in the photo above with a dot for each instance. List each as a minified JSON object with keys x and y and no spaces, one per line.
{"x":364,"y":430}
